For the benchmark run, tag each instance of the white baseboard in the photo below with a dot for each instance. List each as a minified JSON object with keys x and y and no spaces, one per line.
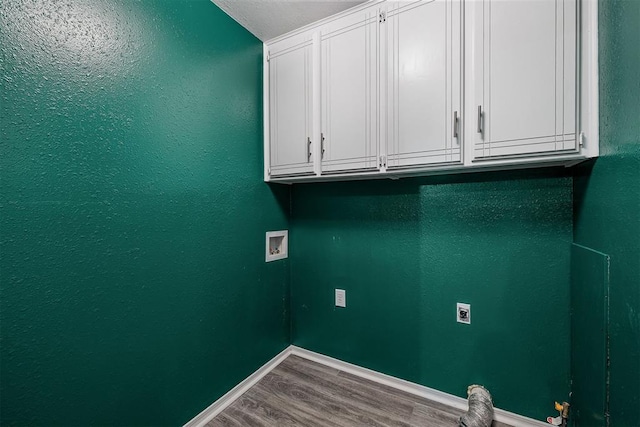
{"x":416,"y":389}
{"x":219,"y":405}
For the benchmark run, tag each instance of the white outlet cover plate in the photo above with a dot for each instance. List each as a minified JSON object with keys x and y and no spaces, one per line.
{"x":463,"y":313}
{"x":341,"y":298}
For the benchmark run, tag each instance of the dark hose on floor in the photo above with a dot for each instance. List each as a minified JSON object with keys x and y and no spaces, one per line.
{"x":480,"y":413}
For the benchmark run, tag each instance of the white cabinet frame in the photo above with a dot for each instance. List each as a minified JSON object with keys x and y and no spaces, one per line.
{"x":349,"y":85}
{"x":291,"y":107}
{"x":420,"y":127}
{"x":587,"y":119}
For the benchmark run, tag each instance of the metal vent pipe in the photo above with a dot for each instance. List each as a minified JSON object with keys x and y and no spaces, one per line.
{"x":480,"y":413}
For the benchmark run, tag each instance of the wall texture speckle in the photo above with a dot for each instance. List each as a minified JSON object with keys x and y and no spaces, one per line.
{"x":407,"y":251}
{"x":133,"y":284}
{"x":607,"y":200}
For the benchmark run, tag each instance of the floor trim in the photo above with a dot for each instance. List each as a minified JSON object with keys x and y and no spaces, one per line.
{"x":416,"y":389}
{"x":221,"y":404}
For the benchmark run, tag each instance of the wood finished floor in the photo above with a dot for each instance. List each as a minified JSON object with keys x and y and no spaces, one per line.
{"x":299,"y":392}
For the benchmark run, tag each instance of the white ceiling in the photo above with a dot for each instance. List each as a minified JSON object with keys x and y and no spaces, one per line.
{"x":267,"y":19}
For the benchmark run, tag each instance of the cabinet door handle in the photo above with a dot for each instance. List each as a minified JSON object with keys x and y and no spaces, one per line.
{"x":455,"y":124}
{"x":322,"y":145}
{"x":308,"y":149}
{"x":479,"y":118}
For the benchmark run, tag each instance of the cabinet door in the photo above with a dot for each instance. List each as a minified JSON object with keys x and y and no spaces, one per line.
{"x":423,"y":67}
{"x":524,"y":69}
{"x":349,"y":104}
{"x":290,"y":107}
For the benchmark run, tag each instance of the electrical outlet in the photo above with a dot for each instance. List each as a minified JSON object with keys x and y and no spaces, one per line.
{"x":341,"y":298}
{"x":463,"y":313}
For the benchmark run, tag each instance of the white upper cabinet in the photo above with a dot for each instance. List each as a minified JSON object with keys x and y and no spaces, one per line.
{"x":291,"y":107}
{"x":523,"y":78}
{"x":395,"y":88}
{"x":422,"y":62}
{"x":349,"y":92}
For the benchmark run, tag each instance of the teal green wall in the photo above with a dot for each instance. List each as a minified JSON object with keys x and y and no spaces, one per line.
{"x":590,"y":287}
{"x":133,"y":284}
{"x":607,"y":200}
{"x":406,"y":251}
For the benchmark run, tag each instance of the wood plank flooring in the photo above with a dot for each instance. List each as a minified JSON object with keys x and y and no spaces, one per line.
{"x":299,"y":392}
